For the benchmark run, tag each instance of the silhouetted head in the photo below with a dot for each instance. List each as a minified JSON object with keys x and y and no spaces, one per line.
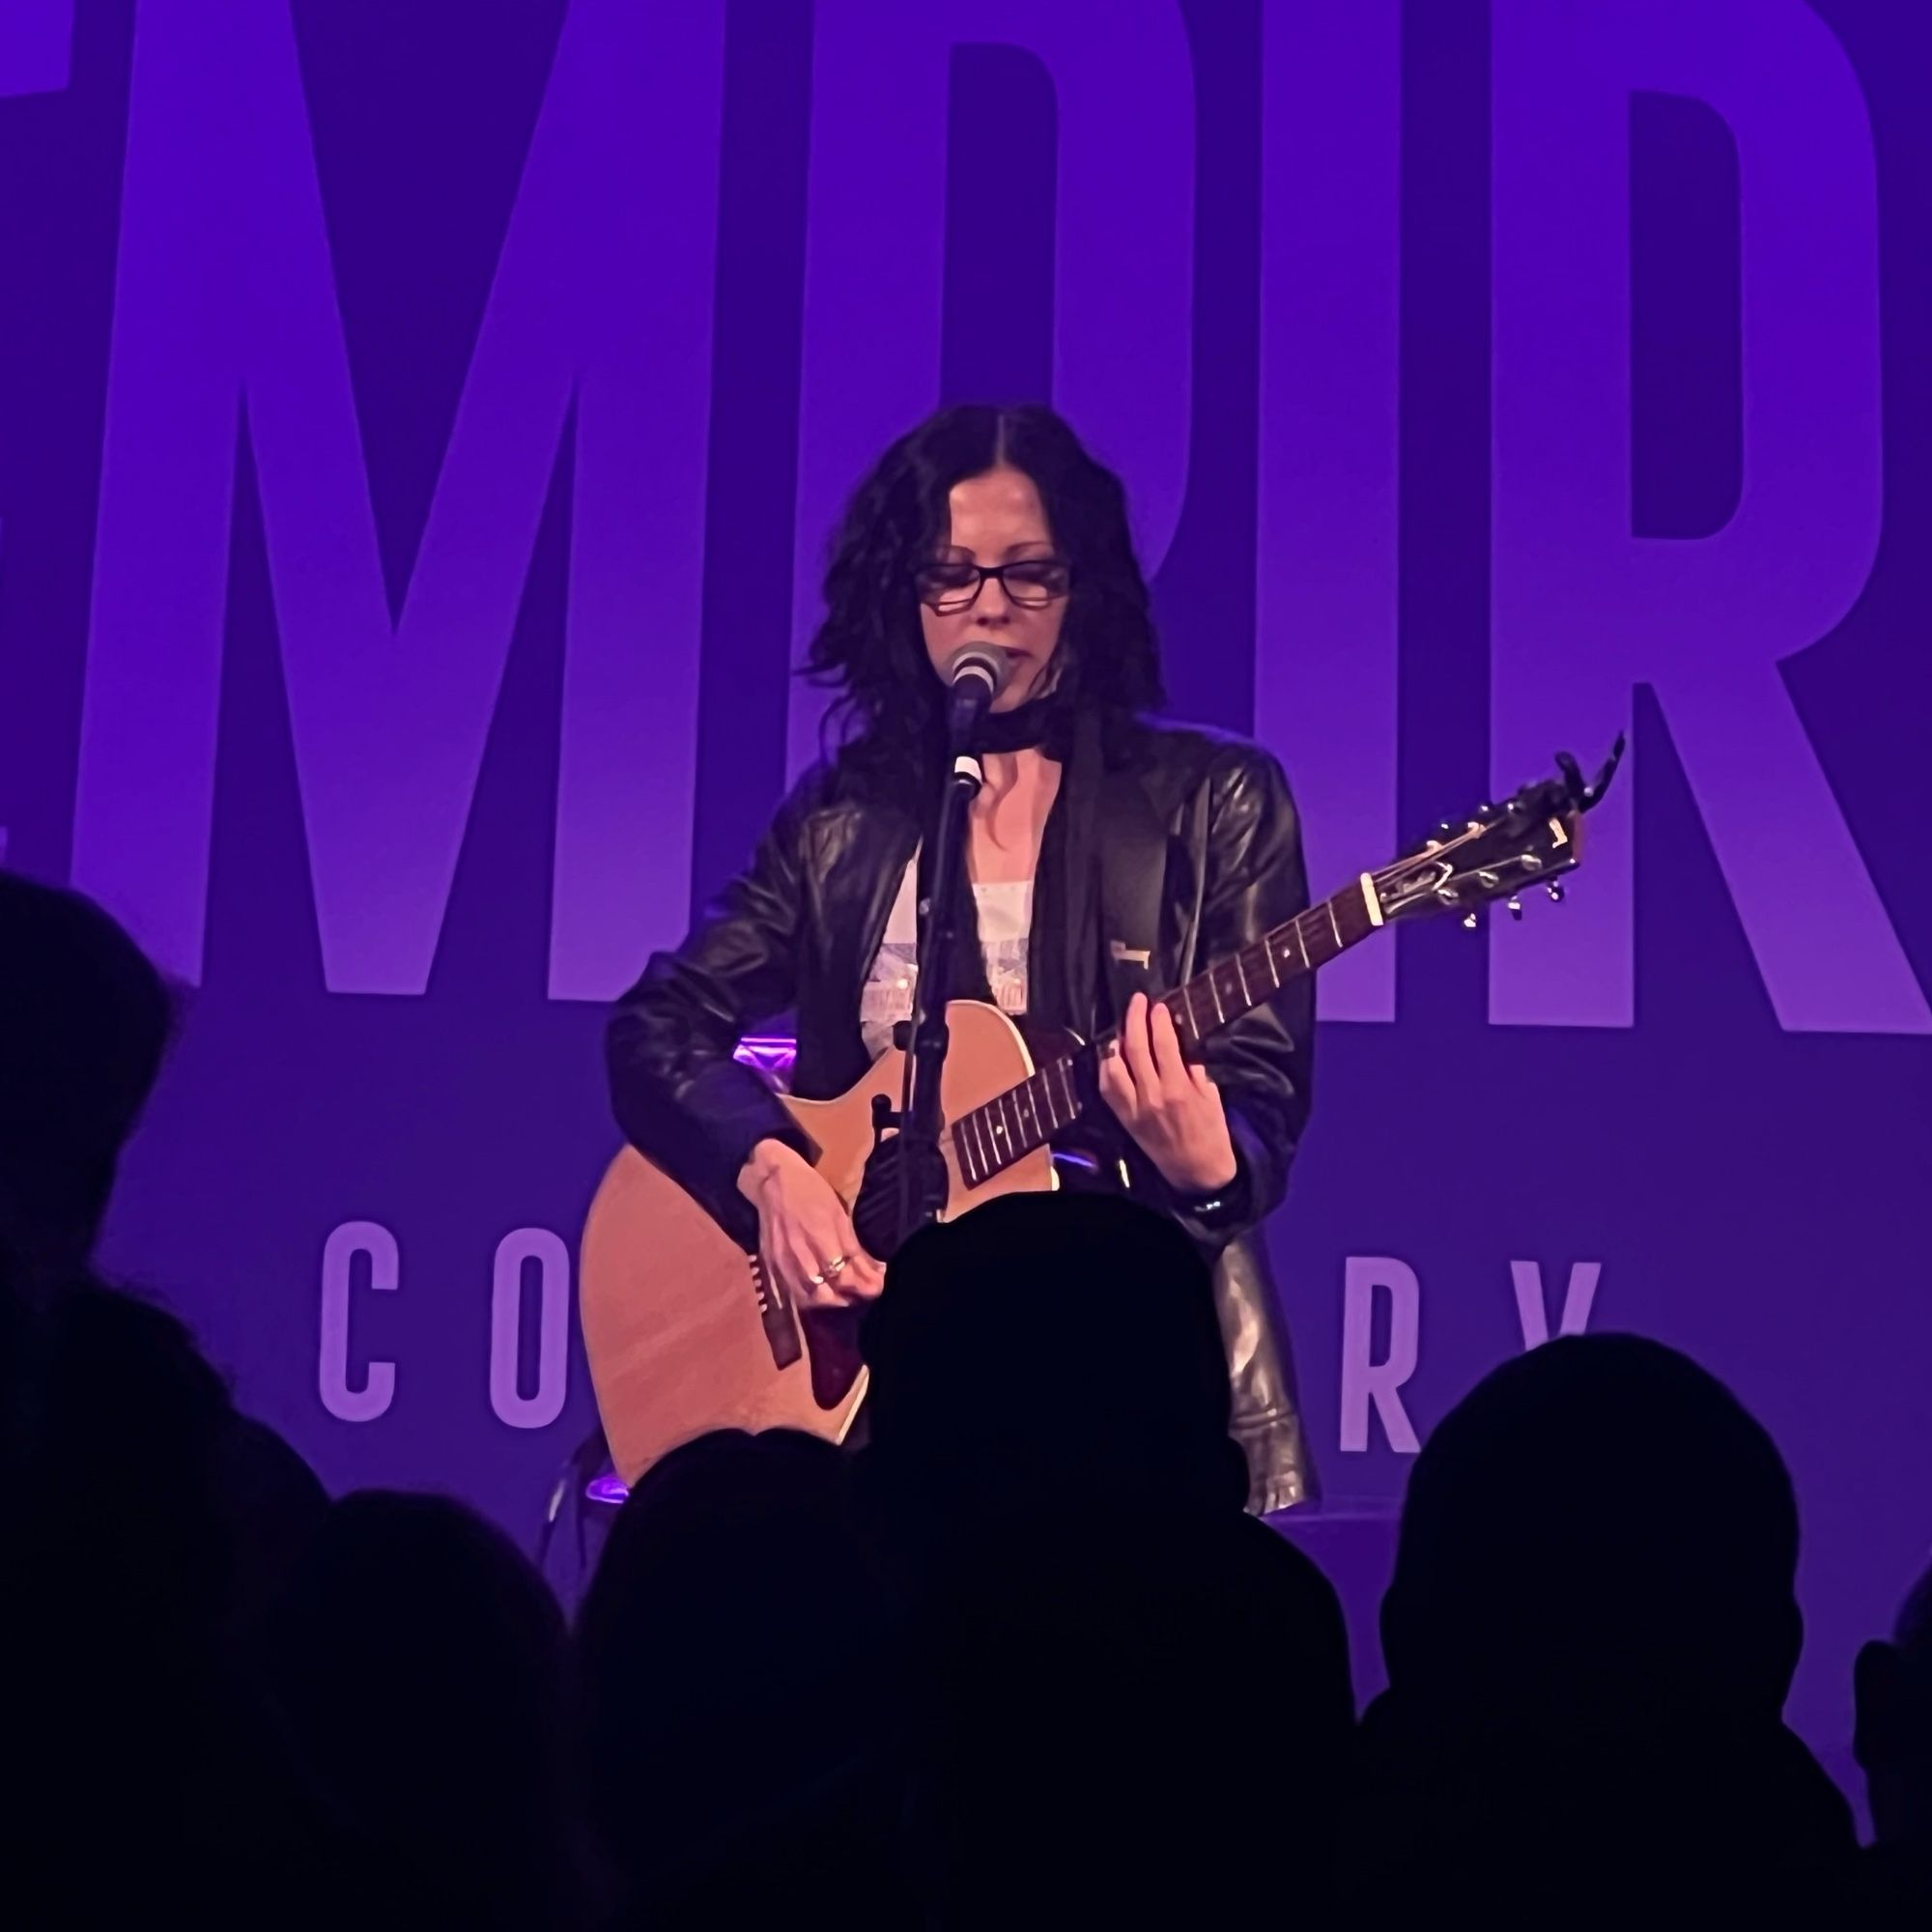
{"x":1110,"y":1717}
{"x":114,"y":1419}
{"x":1598,"y":1531}
{"x":137,"y":1513}
{"x":418,"y":1660}
{"x":120,"y":1534}
{"x":1047,"y":1352}
{"x":725,"y":1650}
{"x":84,"y":1022}
{"x":1894,"y":1728}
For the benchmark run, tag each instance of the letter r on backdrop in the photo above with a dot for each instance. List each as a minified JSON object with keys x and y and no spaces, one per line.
{"x":1584,"y":608}
{"x":1365,"y":1381}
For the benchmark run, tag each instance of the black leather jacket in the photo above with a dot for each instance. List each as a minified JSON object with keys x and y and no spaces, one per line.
{"x":1208,"y":815}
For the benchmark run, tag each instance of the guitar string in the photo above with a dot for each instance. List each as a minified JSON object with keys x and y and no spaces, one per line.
{"x":1425,"y":857}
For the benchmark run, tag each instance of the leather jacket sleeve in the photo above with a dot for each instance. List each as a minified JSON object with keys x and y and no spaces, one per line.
{"x":678,"y":1093}
{"x":1255,"y":880}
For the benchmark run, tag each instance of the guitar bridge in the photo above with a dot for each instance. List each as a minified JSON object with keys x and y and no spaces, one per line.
{"x":775,"y":1316}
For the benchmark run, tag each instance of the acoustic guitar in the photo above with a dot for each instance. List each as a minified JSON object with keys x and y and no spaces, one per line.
{"x":684,"y":1331}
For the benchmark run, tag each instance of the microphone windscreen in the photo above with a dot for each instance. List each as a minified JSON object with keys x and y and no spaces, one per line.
{"x":980,"y":661}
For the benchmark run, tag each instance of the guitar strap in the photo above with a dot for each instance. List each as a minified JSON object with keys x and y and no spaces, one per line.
{"x":1104,"y":859}
{"x":1132,"y":876}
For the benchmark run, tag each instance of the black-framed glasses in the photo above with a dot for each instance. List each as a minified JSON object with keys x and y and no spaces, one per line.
{"x":1032,"y":584}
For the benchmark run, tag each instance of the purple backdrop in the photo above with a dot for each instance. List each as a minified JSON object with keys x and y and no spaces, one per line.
{"x":418,"y":446}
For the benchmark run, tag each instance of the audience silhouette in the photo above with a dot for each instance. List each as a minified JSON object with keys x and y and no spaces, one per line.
{"x":731,"y":1656}
{"x":1105,"y":1386}
{"x":1126,"y":1699}
{"x":84,"y":1025}
{"x":1894,"y":1748}
{"x":418,"y":1663}
{"x":1590,"y":1634}
{"x":134,"y":1498}
{"x":1023,"y":1658}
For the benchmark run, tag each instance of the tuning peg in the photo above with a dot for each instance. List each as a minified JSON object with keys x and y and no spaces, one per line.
{"x":1471,"y":921}
{"x":1555,"y":893}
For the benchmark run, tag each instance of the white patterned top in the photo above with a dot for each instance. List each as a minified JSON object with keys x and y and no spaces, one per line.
{"x":1006,"y":925}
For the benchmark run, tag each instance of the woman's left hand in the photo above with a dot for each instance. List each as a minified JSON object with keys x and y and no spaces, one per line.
{"x":1173,"y":1110}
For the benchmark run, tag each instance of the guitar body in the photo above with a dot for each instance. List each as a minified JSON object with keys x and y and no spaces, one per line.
{"x":682,"y":1331}
{"x":671,"y":1304}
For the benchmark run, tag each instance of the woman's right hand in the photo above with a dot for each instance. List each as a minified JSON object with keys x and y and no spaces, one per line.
{"x":806,"y":1237}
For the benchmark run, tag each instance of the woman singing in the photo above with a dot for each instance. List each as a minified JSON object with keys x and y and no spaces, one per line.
{"x":995,"y":527}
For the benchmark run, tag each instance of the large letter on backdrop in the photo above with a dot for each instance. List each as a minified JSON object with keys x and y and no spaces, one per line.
{"x":1326,"y":605}
{"x":1123,"y":285}
{"x":35,"y":39}
{"x":1584,"y":608}
{"x":227,"y":295}
{"x":35,"y":46}
{"x":1365,"y":1381}
{"x":514,"y":1252}
{"x":385,"y":1270}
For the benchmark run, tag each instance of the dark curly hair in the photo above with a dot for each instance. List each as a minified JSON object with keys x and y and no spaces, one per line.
{"x":869,"y":648}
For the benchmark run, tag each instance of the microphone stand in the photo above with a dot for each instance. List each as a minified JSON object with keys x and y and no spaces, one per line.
{"x":921,"y":1167}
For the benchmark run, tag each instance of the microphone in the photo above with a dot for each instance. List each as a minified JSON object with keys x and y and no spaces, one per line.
{"x":974,"y":676}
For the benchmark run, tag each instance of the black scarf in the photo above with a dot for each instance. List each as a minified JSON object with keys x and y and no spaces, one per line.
{"x":1047,"y":724}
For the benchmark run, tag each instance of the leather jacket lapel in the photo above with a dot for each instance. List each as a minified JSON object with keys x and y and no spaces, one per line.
{"x":889,"y":852}
{"x":862,"y":865}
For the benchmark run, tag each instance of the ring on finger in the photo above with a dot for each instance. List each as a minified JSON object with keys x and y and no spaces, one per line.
{"x":837,"y":1263}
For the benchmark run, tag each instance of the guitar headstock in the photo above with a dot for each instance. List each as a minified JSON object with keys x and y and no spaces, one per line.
{"x":1531,"y":838}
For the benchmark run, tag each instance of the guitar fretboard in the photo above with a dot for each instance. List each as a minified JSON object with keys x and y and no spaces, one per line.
{"x":1013,"y":1123}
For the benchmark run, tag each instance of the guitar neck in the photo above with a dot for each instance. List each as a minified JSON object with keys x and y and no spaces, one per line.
{"x":1013,"y":1123}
